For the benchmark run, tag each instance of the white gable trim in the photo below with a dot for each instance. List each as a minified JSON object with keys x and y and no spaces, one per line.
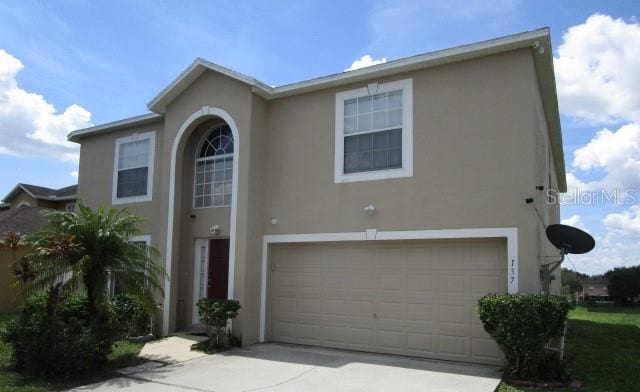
{"x":509,"y":233}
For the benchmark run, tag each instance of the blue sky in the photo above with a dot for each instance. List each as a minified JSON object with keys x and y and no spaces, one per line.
{"x":73,"y":63}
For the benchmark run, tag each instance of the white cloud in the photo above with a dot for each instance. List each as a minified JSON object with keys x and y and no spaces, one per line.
{"x":574,"y":220}
{"x":617,"y":152}
{"x":74,"y":174}
{"x":618,"y":246}
{"x":365,"y":61}
{"x":574,"y":184}
{"x":29,"y":125}
{"x":626,"y":223}
{"x":597,"y":70}
{"x":611,"y":251}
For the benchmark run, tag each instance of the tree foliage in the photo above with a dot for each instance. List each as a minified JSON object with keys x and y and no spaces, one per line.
{"x":573,"y":281}
{"x":624,"y":283}
{"x":69,"y":324}
{"x":81,"y":249}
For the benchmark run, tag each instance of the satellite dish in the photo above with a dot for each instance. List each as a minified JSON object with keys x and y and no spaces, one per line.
{"x":570,"y":239}
{"x":567,"y":239}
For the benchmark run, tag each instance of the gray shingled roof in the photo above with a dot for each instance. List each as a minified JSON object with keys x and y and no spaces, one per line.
{"x":44,"y":193}
{"x":23,"y":220}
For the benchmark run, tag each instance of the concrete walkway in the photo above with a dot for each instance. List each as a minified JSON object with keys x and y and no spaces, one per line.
{"x":278,"y":367}
{"x":173,"y":349}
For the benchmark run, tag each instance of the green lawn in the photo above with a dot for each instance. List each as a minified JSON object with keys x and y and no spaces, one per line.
{"x":124,"y":354}
{"x":603,"y":349}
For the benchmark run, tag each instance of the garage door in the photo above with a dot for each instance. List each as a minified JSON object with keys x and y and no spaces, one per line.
{"x":406,"y":298}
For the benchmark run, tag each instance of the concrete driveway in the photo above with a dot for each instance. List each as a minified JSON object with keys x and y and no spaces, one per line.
{"x":279,"y":367}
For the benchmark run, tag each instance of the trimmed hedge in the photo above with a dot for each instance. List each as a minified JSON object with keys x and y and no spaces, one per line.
{"x":523,"y":325}
{"x":63,"y":343}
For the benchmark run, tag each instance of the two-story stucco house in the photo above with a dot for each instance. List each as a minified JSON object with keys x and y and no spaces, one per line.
{"x":366,"y":210}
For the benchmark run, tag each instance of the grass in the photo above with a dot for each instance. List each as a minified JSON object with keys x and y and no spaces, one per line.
{"x":602,"y":348}
{"x":124,"y":354}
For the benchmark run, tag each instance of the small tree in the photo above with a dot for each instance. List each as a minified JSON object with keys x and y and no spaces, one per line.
{"x":86,"y":247}
{"x":214,"y":314}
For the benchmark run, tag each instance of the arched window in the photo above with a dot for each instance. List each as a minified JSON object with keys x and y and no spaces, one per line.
{"x":214,"y":169}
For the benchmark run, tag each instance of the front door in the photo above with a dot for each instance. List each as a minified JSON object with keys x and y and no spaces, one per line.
{"x":218,"y":281}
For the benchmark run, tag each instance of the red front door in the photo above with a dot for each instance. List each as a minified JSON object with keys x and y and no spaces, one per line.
{"x":218,"y":269}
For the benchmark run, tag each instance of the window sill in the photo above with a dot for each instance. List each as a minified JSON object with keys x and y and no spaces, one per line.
{"x":132,"y":199}
{"x":372,"y":175}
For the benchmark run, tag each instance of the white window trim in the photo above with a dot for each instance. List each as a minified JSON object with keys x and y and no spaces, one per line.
{"x":508,"y":233}
{"x":406,"y":85}
{"x":152,"y":148}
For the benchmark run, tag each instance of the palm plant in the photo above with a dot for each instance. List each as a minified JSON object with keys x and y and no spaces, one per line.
{"x":83,"y":248}
{"x":20,"y":268}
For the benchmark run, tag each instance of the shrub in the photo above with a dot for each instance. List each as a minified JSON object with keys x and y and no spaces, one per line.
{"x":131,"y":316}
{"x":60,"y":343}
{"x":523,"y":325}
{"x":214,"y":314}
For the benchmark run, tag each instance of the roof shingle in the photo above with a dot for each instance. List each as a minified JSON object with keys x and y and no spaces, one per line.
{"x":44,"y":193}
{"x":23,"y":220}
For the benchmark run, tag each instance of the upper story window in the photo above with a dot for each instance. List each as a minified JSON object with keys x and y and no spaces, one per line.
{"x":133,"y":168}
{"x":214,"y":169}
{"x":374,"y":132}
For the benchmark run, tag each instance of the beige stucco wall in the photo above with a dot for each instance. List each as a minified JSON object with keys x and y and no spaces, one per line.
{"x":95,"y":177}
{"x":23,"y":197}
{"x":474,"y":159}
{"x":479,"y":151}
{"x":9,"y":295}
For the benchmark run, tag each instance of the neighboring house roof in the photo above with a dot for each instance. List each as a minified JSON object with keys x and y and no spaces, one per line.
{"x":596,"y":289}
{"x":23,"y":220}
{"x":43,"y":193}
{"x":537,"y":40}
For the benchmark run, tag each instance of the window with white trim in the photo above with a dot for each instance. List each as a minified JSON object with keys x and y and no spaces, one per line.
{"x":374,"y":132}
{"x":133,"y":168}
{"x":214,"y":169}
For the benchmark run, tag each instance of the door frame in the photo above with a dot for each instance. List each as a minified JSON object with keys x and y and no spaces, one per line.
{"x":202,"y":245}
{"x":508,"y":233}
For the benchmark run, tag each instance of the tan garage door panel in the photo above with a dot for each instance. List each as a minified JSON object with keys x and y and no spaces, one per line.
{"x":408,"y":298}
